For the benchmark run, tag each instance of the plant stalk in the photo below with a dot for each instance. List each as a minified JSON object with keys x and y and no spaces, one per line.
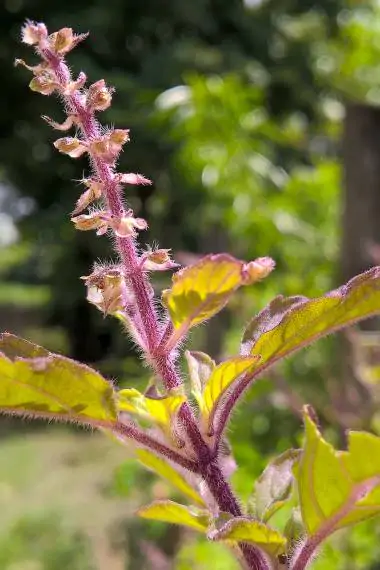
{"x":161,"y":360}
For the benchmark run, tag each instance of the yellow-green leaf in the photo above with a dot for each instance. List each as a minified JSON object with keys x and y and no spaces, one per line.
{"x":242,"y":529}
{"x":170,"y":512}
{"x":51,"y":385}
{"x":289,"y":324}
{"x":166,"y":471}
{"x":132,"y":401}
{"x":337,"y":488}
{"x":203,"y":289}
{"x":222,"y":377}
{"x":165,"y":409}
{"x":160,"y":411}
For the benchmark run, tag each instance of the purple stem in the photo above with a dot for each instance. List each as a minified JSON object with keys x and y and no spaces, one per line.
{"x":131,"y":431}
{"x":221,"y":419}
{"x":227,"y":503}
{"x":167,"y":332}
{"x":306,"y":553}
{"x":206,"y":463}
{"x":127,"y":430}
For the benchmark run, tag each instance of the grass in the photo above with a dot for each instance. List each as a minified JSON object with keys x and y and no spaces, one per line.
{"x":66,"y":475}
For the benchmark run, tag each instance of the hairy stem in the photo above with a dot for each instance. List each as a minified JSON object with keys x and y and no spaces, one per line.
{"x":305,"y":555}
{"x":126,"y":248}
{"x":132,"y":432}
{"x":159,"y":357}
{"x":129,"y":431}
{"x":221,"y":491}
{"x":220,"y":422}
{"x":125,"y":245}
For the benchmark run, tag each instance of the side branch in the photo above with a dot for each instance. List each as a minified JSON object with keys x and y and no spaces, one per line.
{"x":132,"y":432}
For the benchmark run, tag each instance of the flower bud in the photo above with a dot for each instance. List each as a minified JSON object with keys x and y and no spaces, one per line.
{"x":109,"y":145}
{"x":119,"y":136}
{"x":131,"y":178}
{"x":61,"y":41}
{"x":101,"y":148}
{"x":158,"y":260}
{"x":257,"y":269}
{"x":71,"y":146}
{"x":93,"y":193}
{"x":33,"y":33}
{"x":106,"y":289}
{"x":64,"y":40}
{"x":98,"y":220}
{"x":44,"y":83}
{"x":127,"y":225}
{"x":99,"y":96}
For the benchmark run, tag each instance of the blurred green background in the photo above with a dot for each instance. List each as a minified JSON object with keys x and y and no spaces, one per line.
{"x":259,"y":123}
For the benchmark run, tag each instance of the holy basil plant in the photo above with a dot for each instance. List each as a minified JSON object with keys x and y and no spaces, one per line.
{"x":177,"y":426}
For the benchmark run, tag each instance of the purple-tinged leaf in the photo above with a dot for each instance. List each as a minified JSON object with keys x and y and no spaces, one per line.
{"x":38,"y":383}
{"x":201,"y":290}
{"x":14,"y":347}
{"x":289,"y":324}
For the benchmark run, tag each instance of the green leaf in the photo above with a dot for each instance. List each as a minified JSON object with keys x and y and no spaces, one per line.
{"x":294,"y":528}
{"x":170,"y":512}
{"x":51,"y":385}
{"x":200,"y":367}
{"x":337,"y":488}
{"x":241,"y":529}
{"x":203,"y":289}
{"x":289,"y":324}
{"x":221,"y":379}
{"x":274,"y":486}
{"x":166,"y":471}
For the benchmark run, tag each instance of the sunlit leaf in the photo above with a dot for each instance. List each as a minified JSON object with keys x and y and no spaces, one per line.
{"x":166,"y":471}
{"x":337,"y":488}
{"x":222,"y":378}
{"x":160,"y":410}
{"x":289,"y":324}
{"x":274,"y":486}
{"x":203,"y":289}
{"x":131,"y":400}
{"x":170,"y":512}
{"x":241,"y":529}
{"x":51,"y":385}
